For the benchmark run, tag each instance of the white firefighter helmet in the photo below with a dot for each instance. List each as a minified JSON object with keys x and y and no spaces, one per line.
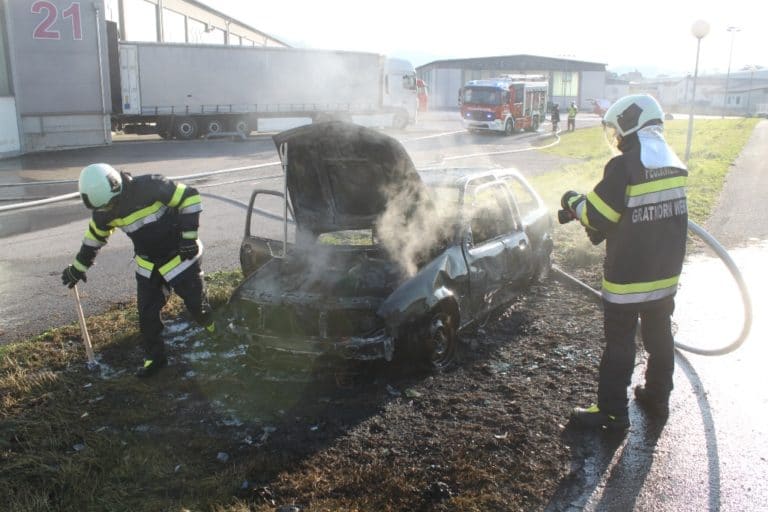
{"x":631,"y":113}
{"x":99,"y":184}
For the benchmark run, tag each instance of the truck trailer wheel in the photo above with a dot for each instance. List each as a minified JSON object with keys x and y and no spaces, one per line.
{"x":213,"y":126}
{"x":400,"y":121}
{"x":241,"y":125}
{"x":185,"y":128}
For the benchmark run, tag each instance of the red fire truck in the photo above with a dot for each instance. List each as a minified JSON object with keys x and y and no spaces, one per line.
{"x":507,"y":103}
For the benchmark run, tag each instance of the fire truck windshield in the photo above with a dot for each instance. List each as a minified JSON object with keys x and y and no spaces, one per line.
{"x":482,"y":95}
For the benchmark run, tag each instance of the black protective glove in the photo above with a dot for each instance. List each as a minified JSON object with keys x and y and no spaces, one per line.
{"x":187,"y":249}
{"x":71,"y":276}
{"x":568,"y":203}
{"x":595,"y":236}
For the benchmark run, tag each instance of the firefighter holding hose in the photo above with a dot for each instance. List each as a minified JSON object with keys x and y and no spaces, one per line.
{"x":161,"y":219}
{"x":639,"y":208}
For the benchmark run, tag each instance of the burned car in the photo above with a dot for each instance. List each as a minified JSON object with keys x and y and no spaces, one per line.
{"x":385,"y":261}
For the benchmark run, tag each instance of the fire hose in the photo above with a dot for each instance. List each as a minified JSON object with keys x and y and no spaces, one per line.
{"x":722,"y":253}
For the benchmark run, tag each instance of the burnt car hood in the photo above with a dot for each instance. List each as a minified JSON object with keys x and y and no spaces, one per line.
{"x":341,"y":176}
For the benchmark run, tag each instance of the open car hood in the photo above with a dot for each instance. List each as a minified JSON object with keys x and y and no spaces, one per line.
{"x":342,"y":176}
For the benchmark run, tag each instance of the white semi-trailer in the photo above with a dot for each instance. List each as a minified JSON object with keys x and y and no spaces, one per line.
{"x":184,"y":91}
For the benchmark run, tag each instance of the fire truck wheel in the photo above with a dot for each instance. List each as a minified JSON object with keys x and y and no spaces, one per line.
{"x":509,"y":128}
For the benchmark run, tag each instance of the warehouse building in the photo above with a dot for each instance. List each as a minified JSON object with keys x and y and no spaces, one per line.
{"x":54,"y":62}
{"x":569,"y":80}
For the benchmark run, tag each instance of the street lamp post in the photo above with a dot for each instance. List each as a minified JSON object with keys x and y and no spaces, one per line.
{"x":699,"y":29}
{"x":749,"y":91}
{"x":733,"y":31}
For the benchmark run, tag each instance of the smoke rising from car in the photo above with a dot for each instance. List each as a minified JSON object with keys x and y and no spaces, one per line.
{"x":411,"y":226}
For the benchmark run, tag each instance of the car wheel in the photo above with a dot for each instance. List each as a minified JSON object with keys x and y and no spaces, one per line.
{"x":509,"y":128}
{"x":543,"y":268}
{"x":441,"y":341}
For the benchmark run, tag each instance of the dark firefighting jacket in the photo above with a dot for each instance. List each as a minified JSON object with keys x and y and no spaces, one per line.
{"x":642,"y":213}
{"x":156,"y":214}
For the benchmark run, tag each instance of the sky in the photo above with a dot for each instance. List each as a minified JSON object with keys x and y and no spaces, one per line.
{"x":652,"y":36}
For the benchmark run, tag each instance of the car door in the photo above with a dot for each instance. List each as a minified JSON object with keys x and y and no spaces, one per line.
{"x":488,"y":245}
{"x":519,"y":252}
{"x":256,"y":250}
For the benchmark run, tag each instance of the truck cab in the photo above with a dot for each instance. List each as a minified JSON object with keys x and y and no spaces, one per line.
{"x":400,"y":91}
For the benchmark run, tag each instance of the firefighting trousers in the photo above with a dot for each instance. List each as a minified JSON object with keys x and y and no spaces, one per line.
{"x":618,"y":360}
{"x":152,"y":294}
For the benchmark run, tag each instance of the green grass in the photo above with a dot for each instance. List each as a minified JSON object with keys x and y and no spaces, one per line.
{"x":71,"y":441}
{"x":715,"y":145}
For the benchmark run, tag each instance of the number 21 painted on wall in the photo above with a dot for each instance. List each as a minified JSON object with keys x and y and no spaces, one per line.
{"x":45,"y":30}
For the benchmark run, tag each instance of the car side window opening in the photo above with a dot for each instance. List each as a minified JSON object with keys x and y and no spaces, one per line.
{"x":490,"y":215}
{"x":524,"y":197}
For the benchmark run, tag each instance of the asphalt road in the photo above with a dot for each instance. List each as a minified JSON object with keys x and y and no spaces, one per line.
{"x":712,"y":454}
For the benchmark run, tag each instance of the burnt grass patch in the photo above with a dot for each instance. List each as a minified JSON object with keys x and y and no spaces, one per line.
{"x":227,"y":429}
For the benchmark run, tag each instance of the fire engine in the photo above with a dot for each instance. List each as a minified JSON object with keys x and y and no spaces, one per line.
{"x":506,"y":104}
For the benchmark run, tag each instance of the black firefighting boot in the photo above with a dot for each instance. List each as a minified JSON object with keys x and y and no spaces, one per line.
{"x":653,"y":404}
{"x":152,"y":366}
{"x":593,"y":417}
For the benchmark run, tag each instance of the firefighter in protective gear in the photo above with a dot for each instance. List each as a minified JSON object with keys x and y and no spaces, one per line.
{"x":640,"y":209}
{"x":161,"y":218}
{"x":572,"y":111}
{"x":555,"y":117}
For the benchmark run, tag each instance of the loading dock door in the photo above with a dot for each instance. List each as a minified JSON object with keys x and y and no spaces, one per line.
{"x":129,"y":79}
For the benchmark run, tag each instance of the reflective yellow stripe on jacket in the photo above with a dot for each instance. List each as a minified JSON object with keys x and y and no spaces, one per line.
{"x":657,"y":191}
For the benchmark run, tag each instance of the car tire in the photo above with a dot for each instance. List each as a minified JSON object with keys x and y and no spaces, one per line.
{"x":543,"y":268}
{"x":441,"y":342}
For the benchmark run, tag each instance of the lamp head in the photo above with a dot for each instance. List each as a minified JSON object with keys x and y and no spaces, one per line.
{"x":699,"y":29}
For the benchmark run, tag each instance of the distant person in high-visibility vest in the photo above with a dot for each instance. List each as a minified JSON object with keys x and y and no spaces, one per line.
{"x":572,"y":111}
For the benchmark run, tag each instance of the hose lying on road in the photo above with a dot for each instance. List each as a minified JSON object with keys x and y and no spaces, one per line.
{"x":722,"y":253}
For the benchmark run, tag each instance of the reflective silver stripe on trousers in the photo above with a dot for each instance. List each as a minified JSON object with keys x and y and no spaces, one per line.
{"x":634,"y":298}
{"x":175,"y":271}
{"x":656,"y":197}
{"x":192,"y":208}
{"x":93,"y":243}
